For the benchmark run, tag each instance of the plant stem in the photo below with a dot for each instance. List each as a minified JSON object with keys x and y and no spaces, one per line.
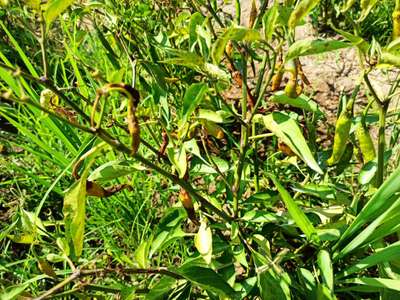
{"x":381,"y":144}
{"x":383,"y":107}
{"x":243,"y":139}
{"x":42,"y":41}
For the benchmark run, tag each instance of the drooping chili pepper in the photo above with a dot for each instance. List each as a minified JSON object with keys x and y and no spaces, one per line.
{"x":342,"y":132}
{"x":365,"y":142}
{"x":291,"y":88}
{"x":278,"y":76}
{"x":187,"y":203}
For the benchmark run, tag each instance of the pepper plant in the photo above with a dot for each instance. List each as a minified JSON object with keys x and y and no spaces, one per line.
{"x":221,"y":116}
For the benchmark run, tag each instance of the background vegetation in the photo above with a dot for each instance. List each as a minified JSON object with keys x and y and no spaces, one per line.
{"x":170,"y":150}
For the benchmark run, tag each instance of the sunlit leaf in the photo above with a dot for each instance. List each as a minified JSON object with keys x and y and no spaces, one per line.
{"x":302,"y":9}
{"x":290,"y":133}
{"x":54,"y":8}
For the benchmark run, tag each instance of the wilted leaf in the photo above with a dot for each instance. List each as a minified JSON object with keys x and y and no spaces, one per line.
{"x":114,"y":169}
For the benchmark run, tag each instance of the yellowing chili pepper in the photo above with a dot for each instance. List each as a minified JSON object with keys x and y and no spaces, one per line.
{"x":396,"y":20}
{"x":277,"y":80}
{"x":342,"y":132}
{"x":365,"y":142}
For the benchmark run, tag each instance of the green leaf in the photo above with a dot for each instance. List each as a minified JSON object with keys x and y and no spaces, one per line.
{"x":356,"y":41}
{"x":236,"y":33}
{"x":270,"y":20}
{"x":195,"y":20}
{"x":257,"y":216}
{"x":302,"y":9}
{"x":379,"y":203}
{"x":193,"y":96}
{"x":168,"y":229}
{"x":387,"y":254}
{"x":272,"y":285}
{"x":203,"y":242}
{"x":74,"y":213}
{"x":302,"y":102}
{"x":311,"y":47}
{"x":367,"y":172}
{"x":219,"y":116}
{"x":178,"y":158}
{"x":383,"y":283}
{"x":295,"y":212}
{"x":207,"y":279}
{"x":162,"y":288}
{"x":12,"y":292}
{"x":364,"y":236}
{"x":54,"y":8}
{"x":290,"y":133}
{"x":325,"y":265}
{"x":141,"y":254}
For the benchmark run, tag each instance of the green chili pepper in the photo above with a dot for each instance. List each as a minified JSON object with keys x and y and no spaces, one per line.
{"x":342,"y":132}
{"x":365,"y":142}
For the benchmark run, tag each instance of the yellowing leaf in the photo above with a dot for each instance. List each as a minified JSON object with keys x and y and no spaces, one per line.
{"x":301,"y":10}
{"x":45,"y":268}
{"x":203,"y":242}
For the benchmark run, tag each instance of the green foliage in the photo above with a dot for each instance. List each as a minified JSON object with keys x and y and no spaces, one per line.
{"x":209,"y":182}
